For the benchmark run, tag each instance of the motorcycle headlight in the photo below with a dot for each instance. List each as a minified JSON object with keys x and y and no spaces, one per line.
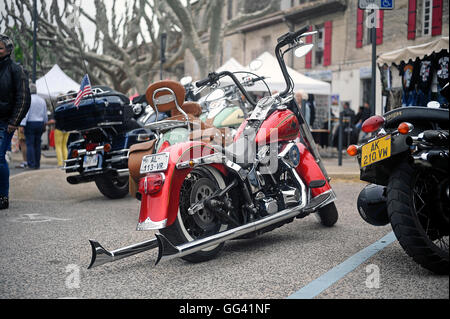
{"x":290,"y":155}
{"x":137,"y":109}
{"x":294,"y":156}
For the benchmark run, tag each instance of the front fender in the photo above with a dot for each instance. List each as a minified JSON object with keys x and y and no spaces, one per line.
{"x":160,"y":210}
{"x":309,"y":170}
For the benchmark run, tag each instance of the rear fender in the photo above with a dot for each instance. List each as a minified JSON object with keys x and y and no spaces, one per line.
{"x":160,"y":210}
{"x":309,"y":171}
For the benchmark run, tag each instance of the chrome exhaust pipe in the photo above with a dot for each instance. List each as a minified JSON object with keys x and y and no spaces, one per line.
{"x":168,"y":251}
{"x":102,"y":256}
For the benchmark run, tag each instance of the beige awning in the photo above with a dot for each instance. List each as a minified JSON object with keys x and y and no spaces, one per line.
{"x":413,"y":52}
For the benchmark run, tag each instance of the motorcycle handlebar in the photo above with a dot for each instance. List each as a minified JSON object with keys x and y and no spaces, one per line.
{"x":203,"y":82}
{"x":291,"y":36}
{"x":214,"y":77}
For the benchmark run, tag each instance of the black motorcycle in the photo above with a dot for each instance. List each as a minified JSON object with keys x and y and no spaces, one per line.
{"x":103,"y":127}
{"x":406,"y":162}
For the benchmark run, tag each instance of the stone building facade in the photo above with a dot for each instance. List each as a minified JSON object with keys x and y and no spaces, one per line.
{"x":343,"y":50}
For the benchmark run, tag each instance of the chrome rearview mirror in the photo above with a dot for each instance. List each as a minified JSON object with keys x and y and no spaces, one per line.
{"x":186,"y":80}
{"x":309,"y":33}
{"x":303,"y":49}
{"x":255,"y":64}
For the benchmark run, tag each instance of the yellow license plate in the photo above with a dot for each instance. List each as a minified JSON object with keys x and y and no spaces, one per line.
{"x":375,"y":151}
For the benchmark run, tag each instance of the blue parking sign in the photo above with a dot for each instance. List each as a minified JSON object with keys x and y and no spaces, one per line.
{"x":376,"y":4}
{"x":387,"y":4}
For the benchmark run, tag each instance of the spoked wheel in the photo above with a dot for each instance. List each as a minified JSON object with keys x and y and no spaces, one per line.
{"x":418,"y":208}
{"x":199,"y":184}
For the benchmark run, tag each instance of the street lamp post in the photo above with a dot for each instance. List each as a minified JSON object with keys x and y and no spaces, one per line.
{"x":163,"y":54}
{"x":373,"y":35}
{"x":35,"y":17}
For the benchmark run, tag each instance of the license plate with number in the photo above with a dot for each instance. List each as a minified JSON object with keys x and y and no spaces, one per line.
{"x":154,"y":163}
{"x":90,"y":160}
{"x":375,"y":151}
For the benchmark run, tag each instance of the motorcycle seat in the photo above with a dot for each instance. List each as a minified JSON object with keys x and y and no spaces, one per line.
{"x":416,"y":115}
{"x":168,"y":96}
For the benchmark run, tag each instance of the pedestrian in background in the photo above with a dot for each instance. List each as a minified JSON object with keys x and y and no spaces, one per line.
{"x":61,"y":139}
{"x":14,"y":104}
{"x":363,"y":115}
{"x":34,"y":123}
{"x":300,"y":98}
{"x":312,"y":109}
{"x":22,"y":147}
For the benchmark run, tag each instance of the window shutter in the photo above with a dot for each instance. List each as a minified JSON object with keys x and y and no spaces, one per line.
{"x":328,"y":26}
{"x":437,"y":18}
{"x":380,"y":17}
{"x":412,"y":8}
{"x":308,"y":57}
{"x":359,"y":28}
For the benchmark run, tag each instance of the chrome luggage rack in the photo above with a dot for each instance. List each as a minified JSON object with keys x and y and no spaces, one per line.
{"x":165,"y":125}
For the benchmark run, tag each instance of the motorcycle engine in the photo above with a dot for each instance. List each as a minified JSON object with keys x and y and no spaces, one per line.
{"x":267,"y":205}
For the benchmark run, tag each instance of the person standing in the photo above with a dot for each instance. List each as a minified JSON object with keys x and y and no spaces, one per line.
{"x":363,"y":115}
{"x":61,"y":139}
{"x":312,"y":109}
{"x":300,"y":98}
{"x":34,"y":123}
{"x":22,"y":147}
{"x":14,"y":104}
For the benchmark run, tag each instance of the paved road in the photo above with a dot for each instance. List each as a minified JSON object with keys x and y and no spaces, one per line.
{"x":45,"y":251}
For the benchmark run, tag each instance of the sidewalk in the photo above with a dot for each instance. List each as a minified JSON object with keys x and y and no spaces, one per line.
{"x":48,"y":160}
{"x":349,"y":169}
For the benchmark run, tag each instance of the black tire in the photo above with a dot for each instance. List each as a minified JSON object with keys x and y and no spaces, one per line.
{"x":113,"y":188}
{"x":202,"y":224}
{"x":328,"y":215}
{"x":419,"y":216}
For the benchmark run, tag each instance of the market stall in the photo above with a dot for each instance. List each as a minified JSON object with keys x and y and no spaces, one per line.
{"x":414,"y":75}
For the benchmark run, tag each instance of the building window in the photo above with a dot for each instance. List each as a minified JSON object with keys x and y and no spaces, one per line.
{"x":229,"y":9}
{"x":266,"y":43}
{"x":366,"y":90}
{"x":320,"y":44}
{"x":427,"y":17}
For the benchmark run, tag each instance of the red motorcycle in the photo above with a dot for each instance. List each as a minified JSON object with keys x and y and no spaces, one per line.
{"x":199,"y":195}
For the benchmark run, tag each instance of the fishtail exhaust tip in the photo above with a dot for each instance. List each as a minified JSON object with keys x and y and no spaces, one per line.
{"x":100,"y":255}
{"x":165,"y":248}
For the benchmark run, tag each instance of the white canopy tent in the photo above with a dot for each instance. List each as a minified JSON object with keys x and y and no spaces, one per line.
{"x":274,"y":77}
{"x":54,"y":83}
{"x":231,"y":65}
{"x":276,"y":82}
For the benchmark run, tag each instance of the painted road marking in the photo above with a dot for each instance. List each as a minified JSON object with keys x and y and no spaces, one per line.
{"x":315,"y":287}
{"x":35,"y":218}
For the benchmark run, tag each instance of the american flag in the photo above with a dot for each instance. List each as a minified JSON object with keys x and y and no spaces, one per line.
{"x":85,"y":89}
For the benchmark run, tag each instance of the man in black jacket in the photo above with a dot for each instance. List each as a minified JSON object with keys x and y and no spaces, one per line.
{"x":14,"y":105}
